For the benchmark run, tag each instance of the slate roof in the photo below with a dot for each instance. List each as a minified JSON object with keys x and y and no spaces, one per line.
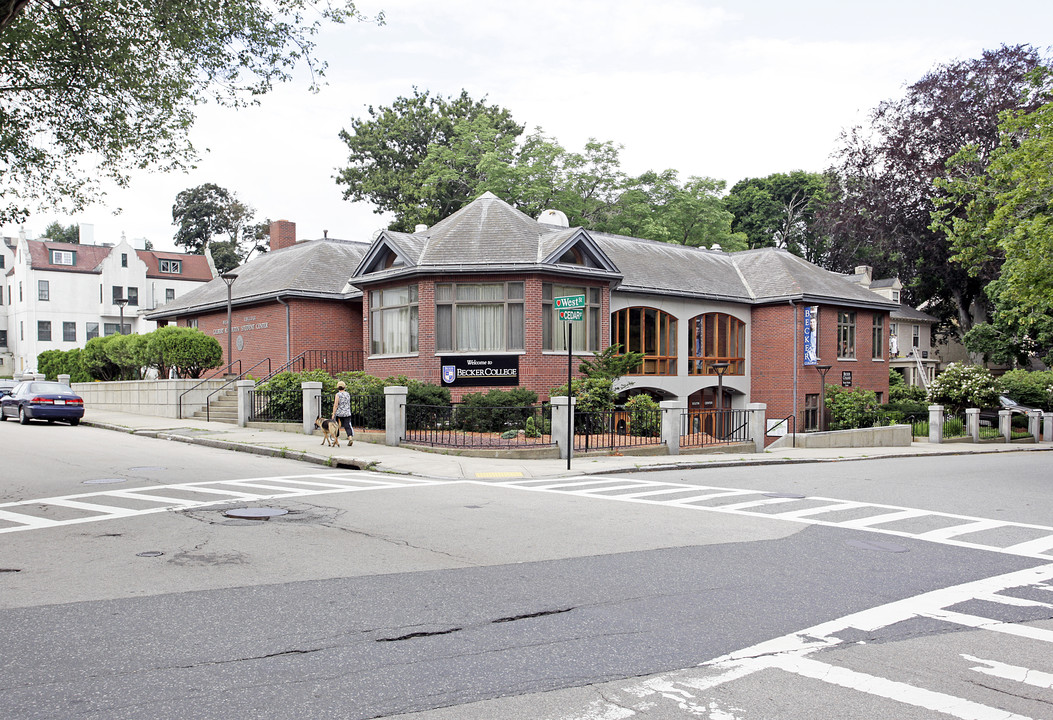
{"x":666,"y":269}
{"x":308,"y":269}
{"x":194,"y":267}
{"x":906,"y":312}
{"x":487,"y":235}
{"x":774,"y":275}
{"x":87,"y":258}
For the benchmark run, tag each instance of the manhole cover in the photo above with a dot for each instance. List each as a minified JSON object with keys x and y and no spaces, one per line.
{"x":879,"y":545}
{"x":260,"y":513}
{"x":103,"y":481}
{"x":147,"y":468}
{"x":150,"y":553}
{"x":792,"y":496}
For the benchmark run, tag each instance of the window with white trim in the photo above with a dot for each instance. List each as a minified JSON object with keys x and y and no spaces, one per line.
{"x":43,"y":290}
{"x":170,"y":266}
{"x":393,"y":321}
{"x":91,"y":330}
{"x":479,"y":317}
{"x":63,"y":257}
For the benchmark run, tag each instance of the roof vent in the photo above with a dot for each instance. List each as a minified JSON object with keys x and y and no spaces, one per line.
{"x":558,"y":218}
{"x":715,"y":247}
{"x":420,"y":227}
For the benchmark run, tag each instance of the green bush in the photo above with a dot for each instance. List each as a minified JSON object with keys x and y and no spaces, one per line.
{"x":496,"y":410}
{"x":1031,"y":388}
{"x":644,"y":418}
{"x":856,"y":408}
{"x":96,"y":361}
{"x":53,"y":363}
{"x":963,"y":386}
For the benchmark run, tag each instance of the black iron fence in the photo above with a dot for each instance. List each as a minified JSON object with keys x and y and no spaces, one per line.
{"x":332,"y":361}
{"x":699,"y":428}
{"x":367,"y":411}
{"x":284,"y":406}
{"x":475,"y":426}
{"x":616,"y":429}
{"x":954,"y":426}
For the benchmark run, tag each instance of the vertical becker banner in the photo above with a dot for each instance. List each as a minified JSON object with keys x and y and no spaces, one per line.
{"x":811,"y":334}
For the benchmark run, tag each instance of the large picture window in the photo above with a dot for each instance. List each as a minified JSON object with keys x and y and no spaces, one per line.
{"x":846,"y":335}
{"x":554,"y":331}
{"x":713,"y":338}
{"x":649,"y":331}
{"x":474,"y":317}
{"x":393,"y":321}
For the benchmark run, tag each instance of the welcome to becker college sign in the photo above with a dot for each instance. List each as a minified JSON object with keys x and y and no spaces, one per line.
{"x":460,"y":371}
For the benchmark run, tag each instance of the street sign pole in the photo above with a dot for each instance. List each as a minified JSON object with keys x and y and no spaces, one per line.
{"x":570,"y":393}
{"x":570,"y":309}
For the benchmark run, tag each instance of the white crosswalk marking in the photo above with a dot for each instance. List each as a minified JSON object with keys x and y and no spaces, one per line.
{"x":877,"y":518}
{"x":16,"y":517}
{"x":797,"y":654}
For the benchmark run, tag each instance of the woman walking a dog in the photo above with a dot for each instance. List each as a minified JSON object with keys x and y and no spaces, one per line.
{"x":342,"y":412}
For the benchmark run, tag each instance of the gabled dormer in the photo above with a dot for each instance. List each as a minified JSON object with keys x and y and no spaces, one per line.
{"x":574,"y":247}
{"x":386,"y":254}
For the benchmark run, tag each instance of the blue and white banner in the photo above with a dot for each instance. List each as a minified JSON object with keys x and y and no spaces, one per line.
{"x":811,"y":334}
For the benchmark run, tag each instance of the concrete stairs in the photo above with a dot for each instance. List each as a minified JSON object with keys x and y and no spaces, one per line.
{"x":223,"y":407}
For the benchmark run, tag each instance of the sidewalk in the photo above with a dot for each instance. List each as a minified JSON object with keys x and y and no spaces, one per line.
{"x":382,"y":458}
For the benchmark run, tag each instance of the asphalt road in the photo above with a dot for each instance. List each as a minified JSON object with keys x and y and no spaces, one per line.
{"x":596,"y":598}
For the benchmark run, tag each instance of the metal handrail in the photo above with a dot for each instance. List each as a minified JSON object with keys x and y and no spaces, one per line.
{"x":179,"y":403}
{"x":224,"y":386}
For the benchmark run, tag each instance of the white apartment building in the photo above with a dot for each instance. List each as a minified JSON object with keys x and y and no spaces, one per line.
{"x":57,"y":296}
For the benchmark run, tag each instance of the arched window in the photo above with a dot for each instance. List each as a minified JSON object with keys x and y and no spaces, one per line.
{"x":648,"y":331}
{"x":716,"y":337}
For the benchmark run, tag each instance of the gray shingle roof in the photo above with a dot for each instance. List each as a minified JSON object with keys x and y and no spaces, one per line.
{"x":311,"y":268}
{"x":774,"y":274}
{"x":664,"y":268}
{"x":906,"y":312}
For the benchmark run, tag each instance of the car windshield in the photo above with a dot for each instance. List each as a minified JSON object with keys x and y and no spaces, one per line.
{"x":49,"y":387}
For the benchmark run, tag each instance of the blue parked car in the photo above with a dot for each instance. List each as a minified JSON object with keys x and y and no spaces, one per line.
{"x":42,"y":400}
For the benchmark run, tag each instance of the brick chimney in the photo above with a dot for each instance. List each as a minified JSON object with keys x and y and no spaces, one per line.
{"x":283,"y":234}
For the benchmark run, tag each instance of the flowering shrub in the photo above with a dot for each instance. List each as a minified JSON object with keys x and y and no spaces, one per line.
{"x":963,"y":386}
{"x":857,"y":408}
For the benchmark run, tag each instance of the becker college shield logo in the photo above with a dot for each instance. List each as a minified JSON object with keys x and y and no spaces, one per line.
{"x":449,"y":373}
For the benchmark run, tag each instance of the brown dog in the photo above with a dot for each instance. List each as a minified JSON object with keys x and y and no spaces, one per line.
{"x":331,"y":429}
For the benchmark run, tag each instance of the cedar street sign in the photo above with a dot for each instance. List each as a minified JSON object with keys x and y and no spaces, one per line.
{"x":571,"y":308}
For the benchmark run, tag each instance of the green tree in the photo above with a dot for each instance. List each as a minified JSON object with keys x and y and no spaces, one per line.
{"x":91,"y":89}
{"x":418,"y":158}
{"x":610,"y":363}
{"x":96,"y":361}
{"x":1031,"y":388}
{"x":62,"y":233}
{"x":782,"y":210}
{"x":998,"y":217}
{"x":886,"y":173}
{"x":207,"y":212}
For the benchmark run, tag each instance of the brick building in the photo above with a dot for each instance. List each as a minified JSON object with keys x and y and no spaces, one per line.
{"x":471,"y":303}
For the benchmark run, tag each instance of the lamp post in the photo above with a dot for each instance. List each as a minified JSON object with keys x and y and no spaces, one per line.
{"x":721,"y":367}
{"x":120,"y":303}
{"x":822,"y":370}
{"x":229,"y":278}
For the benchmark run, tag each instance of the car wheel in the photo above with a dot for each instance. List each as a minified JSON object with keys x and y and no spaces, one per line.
{"x":74,"y":422}
{"x":22,"y":417}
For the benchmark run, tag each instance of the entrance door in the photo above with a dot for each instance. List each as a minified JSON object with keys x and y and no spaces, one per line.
{"x":706,"y":400}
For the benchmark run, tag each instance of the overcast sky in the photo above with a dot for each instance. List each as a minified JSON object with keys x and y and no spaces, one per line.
{"x":722,"y":89}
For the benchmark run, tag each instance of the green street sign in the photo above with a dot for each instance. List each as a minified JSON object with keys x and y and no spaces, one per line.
{"x":572,"y":315}
{"x":570,"y":301}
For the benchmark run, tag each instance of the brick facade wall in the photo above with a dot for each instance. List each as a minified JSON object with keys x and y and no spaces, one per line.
{"x":315,"y":325}
{"x":773,"y":357}
{"x":539,"y":371}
